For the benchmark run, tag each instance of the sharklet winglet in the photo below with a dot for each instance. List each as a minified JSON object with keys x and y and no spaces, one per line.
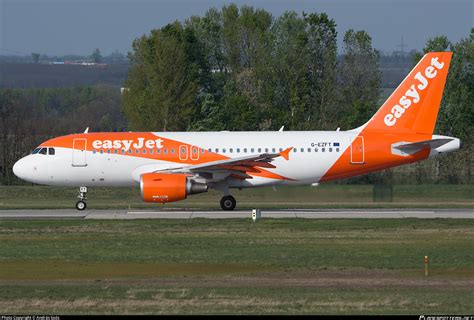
{"x":286,"y":153}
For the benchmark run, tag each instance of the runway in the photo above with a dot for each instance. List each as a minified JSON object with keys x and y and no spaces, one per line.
{"x":239,"y":214}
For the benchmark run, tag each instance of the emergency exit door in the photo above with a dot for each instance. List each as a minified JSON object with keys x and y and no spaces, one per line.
{"x":357,"y":150}
{"x":79,"y":148}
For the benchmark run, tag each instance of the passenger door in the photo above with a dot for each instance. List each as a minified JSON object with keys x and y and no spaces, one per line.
{"x":357,"y":150}
{"x":79,"y":153}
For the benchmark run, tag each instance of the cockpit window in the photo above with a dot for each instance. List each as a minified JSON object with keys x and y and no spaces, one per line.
{"x":36,"y":151}
{"x":51,"y":151}
{"x":43,"y":150}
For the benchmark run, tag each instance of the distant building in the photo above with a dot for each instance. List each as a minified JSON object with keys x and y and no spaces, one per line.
{"x":81,"y":63}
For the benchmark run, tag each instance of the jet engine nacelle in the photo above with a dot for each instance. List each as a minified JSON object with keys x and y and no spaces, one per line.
{"x":168,"y":187}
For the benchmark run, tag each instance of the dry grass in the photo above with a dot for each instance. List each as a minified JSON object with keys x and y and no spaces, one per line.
{"x":74,"y":270}
{"x":184,"y":301}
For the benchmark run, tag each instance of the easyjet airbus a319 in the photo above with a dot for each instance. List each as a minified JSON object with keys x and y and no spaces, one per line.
{"x":169,"y":166}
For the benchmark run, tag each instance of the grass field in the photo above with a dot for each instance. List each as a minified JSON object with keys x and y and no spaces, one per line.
{"x":274,"y":266}
{"x":325,"y":195}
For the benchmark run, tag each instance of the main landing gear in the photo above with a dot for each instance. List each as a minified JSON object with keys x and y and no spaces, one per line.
{"x":81,"y":204}
{"x":228,"y":203}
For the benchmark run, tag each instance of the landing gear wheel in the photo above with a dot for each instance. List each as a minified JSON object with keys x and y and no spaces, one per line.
{"x":80,"y":205}
{"x":228,"y":203}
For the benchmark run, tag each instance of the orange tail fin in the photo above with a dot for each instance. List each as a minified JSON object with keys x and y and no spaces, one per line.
{"x":413,"y":106}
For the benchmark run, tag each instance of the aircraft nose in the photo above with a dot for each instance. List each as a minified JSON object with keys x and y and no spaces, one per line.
{"x":19,"y":168}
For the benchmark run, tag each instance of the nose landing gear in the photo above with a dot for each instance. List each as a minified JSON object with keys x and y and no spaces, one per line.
{"x":228,"y":203}
{"x":81,"y":204}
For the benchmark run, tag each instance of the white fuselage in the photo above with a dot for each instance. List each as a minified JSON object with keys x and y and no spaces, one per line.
{"x":313,"y":154}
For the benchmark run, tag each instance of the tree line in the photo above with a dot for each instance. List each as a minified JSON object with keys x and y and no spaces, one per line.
{"x":243,"y":69}
{"x":28,"y":117}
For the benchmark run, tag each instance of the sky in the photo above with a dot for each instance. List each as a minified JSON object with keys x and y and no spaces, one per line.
{"x":61,"y":27}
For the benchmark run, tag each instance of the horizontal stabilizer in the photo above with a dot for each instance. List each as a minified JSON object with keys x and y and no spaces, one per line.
{"x":412,"y":148}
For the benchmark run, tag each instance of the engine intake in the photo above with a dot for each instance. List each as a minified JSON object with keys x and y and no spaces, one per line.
{"x":168,"y":187}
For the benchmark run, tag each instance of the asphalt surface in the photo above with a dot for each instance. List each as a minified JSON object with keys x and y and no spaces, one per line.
{"x":266,"y":213}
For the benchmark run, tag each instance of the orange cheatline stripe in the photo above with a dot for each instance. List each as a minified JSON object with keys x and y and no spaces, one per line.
{"x":168,"y":144}
{"x":377,"y":155}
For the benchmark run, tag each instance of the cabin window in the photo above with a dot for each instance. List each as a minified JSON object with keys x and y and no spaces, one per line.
{"x":137,"y":151}
{"x":281,"y":149}
{"x":323,"y":149}
{"x":266,"y":149}
{"x":238,"y":150}
{"x":195,"y":150}
{"x":295,"y":149}
{"x":330,"y":149}
{"x":315,"y":149}
{"x":123,"y":151}
{"x":245,"y":150}
{"x":158,"y":151}
{"x":337,"y":149}
{"x":172,"y":151}
{"x":165,"y":151}
{"x":302,"y":149}
{"x":252,"y":150}
{"x":108,"y":151}
{"x":130,"y":151}
{"x":151,"y":151}
{"x":144,"y":151}
{"x":203,"y":150}
{"x":309,"y":149}
{"x":217,"y":150}
{"x":210,"y":149}
{"x":273,"y":150}
{"x":259,"y":150}
{"x":115,"y":151}
{"x":231,"y":150}
{"x":94,"y":151}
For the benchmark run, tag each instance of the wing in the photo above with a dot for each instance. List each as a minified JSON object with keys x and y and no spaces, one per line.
{"x":238,"y":168}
